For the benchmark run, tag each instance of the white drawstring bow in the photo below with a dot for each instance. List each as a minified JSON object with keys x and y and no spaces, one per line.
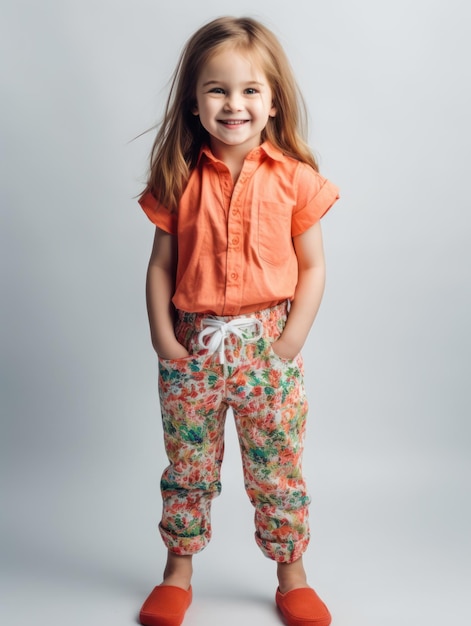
{"x":216,"y":330}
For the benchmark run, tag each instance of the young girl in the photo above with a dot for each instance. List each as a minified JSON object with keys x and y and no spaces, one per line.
{"x":235,"y":280}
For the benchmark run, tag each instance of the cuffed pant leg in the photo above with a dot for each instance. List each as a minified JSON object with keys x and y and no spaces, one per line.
{"x":193,"y":421}
{"x":270,"y":416}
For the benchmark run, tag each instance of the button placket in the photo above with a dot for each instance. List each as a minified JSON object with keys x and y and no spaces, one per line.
{"x":234,"y":254}
{"x":235,"y":238}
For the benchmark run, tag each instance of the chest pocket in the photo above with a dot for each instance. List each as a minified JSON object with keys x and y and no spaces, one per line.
{"x":275,"y":245}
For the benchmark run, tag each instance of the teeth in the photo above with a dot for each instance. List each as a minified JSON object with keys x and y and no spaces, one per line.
{"x":233,"y":122}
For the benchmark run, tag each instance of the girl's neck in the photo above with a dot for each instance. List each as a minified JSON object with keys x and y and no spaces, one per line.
{"x":235,"y":167}
{"x":232,"y":156}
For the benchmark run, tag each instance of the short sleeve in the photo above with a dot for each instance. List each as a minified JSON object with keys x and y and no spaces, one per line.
{"x":158,"y":214}
{"x":315,"y":196}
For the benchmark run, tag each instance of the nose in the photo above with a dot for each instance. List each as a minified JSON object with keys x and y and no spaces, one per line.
{"x":233,"y":103}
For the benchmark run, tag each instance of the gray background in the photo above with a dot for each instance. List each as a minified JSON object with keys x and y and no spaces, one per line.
{"x":388,"y":451}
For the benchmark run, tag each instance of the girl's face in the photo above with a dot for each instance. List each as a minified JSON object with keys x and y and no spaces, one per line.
{"x":233,"y":101}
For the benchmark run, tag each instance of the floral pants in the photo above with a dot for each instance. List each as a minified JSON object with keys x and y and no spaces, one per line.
{"x":267,"y":397}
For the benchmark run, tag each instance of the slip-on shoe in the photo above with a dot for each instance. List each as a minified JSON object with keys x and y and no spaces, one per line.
{"x":165,"y":606}
{"x":302,"y":607}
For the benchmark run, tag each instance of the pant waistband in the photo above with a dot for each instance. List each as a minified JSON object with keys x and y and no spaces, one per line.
{"x":213,"y":330}
{"x":272,"y":319}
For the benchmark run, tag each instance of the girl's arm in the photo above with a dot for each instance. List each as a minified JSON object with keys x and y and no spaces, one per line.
{"x":308,"y":293}
{"x":160,"y":286}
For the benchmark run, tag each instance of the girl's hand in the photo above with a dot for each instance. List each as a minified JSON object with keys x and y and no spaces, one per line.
{"x":284,"y":350}
{"x":173,"y":352}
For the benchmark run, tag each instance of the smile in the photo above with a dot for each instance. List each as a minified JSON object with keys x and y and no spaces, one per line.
{"x":233,"y":122}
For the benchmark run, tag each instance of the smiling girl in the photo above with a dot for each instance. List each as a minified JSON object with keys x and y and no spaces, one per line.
{"x":234,"y":283}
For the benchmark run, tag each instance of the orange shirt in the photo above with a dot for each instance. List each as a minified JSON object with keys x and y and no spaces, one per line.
{"x":235,"y":249}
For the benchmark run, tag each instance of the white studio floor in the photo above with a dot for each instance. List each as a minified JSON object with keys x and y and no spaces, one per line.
{"x":52,"y":600}
{"x":399,"y":555}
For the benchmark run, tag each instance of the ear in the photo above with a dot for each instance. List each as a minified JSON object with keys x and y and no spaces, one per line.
{"x":273,"y":111}
{"x":194,"y":109}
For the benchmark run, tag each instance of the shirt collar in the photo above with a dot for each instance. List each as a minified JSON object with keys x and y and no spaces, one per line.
{"x":270,"y":150}
{"x":266,"y":148}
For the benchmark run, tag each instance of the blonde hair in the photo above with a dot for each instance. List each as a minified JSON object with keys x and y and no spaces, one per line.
{"x":180,"y":136}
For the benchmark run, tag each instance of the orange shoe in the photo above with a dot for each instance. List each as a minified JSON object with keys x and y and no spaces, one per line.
{"x":302,"y":607}
{"x":165,"y":606}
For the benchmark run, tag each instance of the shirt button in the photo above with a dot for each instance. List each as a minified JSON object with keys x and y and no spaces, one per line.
{"x":234,"y":276}
{"x":235,"y":240}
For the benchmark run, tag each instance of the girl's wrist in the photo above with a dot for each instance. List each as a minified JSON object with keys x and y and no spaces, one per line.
{"x":285,"y":349}
{"x":171,"y":350}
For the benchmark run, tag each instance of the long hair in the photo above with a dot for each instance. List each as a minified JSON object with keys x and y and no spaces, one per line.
{"x":180,"y":136}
